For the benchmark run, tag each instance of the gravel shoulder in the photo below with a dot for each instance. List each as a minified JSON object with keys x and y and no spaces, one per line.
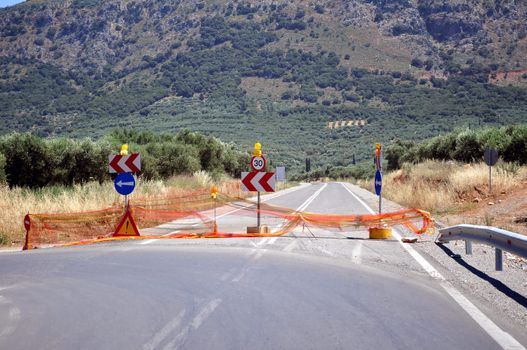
{"x":501,"y":295}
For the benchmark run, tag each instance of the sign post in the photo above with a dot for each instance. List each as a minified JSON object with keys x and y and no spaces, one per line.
{"x":378,"y":173}
{"x":258,"y":211}
{"x":214,"y":196}
{"x":280,"y":173}
{"x":27,"y":226}
{"x":491,"y":158}
{"x":260,"y":166}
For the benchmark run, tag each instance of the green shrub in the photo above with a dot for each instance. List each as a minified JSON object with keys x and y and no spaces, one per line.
{"x":30,"y":161}
{"x":3,"y":178}
{"x":468,"y":149}
{"x":393,"y":153}
{"x":463,"y":145}
{"x":516,"y":151}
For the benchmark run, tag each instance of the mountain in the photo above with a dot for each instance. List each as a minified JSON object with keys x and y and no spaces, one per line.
{"x":323,"y":79}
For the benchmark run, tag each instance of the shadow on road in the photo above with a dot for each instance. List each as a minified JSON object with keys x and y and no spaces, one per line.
{"x":520,"y":299}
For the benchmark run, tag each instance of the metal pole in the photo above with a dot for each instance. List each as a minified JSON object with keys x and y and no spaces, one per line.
{"x":258,"y":211}
{"x":126,"y":201}
{"x":380,"y":203}
{"x":499,"y":260}
{"x":490,"y":179}
{"x":215,"y":228}
{"x":468,"y":247}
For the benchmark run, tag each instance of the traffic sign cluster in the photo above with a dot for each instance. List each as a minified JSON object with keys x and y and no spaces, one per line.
{"x":258,"y":180}
{"x":124,"y":165}
{"x":378,"y":169}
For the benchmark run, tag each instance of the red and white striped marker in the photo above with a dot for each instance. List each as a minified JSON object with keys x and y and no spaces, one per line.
{"x":258,"y":181}
{"x":125,"y":164}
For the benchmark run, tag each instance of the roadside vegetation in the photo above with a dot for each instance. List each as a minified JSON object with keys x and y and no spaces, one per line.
{"x":29,"y":161}
{"x":16,"y":202}
{"x":446,"y":174}
{"x":463,"y":145}
{"x":64,"y":175}
{"x":445,"y":187}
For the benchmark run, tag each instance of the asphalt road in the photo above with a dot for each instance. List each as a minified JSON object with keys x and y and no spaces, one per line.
{"x":313,"y":289}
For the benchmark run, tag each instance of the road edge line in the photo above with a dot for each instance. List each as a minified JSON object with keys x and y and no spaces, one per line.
{"x":504,"y":339}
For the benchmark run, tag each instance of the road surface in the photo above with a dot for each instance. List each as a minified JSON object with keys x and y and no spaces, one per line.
{"x":312,"y":289}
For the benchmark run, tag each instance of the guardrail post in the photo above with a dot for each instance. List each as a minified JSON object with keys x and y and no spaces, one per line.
{"x":468,"y":247}
{"x":499,"y":260}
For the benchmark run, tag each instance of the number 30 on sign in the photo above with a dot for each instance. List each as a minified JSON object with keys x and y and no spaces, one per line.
{"x":258,"y":163}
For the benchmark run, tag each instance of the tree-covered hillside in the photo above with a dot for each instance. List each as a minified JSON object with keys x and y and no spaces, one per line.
{"x":280,"y":73}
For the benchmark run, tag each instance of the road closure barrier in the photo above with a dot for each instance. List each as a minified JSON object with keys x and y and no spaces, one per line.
{"x":191,"y":215}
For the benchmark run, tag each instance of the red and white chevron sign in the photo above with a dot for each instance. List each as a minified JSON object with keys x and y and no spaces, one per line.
{"x":125,"y":164}
{"x":258,"y":181}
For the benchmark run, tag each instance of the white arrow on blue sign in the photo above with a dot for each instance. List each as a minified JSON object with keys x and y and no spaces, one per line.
{"x":124,"y":183}
{"x":378,"y":182}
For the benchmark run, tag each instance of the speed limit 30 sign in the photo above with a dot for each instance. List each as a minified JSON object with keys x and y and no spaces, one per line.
{"x":258,"y":163}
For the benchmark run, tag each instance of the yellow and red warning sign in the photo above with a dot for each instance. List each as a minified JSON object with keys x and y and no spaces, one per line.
{"x":126,"y":226}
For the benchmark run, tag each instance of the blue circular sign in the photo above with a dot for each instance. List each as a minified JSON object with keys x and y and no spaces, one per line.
{"x":378,"y":182}
{"x":124,"y":183}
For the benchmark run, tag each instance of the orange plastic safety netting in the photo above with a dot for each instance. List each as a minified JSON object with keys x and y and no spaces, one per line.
{"x":196,"y":215}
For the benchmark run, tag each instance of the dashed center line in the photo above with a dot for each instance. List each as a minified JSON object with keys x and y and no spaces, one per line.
{"x":165,"y":331}
{"x":194,"y":324}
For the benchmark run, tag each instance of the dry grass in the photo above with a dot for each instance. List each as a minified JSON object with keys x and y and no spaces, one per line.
{"x":442,"y":187}
{"x":17,"y":202}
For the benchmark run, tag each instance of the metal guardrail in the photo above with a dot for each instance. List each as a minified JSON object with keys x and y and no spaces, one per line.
{"x":500,"y":239}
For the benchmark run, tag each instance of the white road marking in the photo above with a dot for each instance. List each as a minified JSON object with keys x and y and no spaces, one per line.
{"x":272,"y":240}
{"x":290,"y":246}
{"x":225,"y":276}
{"x":278,"y":194}
{"x":14,"y":313}
{"x":7,"y":287}
{"x":196,"y":322}
{"x":262,"y":241}
{"x":205,"y":313}
{"x":148,"y":241}
{"x":356,"y":253}
{"x":208,"y":309}
{"x":325,"y":251}
{"x":13,"y":316}
{"x":504,"y":339}
{"x":358,"y":199}
{"x":304,"y":205}
{"x":257,"y":255}
{"x":164,"y":332}
{"x":10,"y":250}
